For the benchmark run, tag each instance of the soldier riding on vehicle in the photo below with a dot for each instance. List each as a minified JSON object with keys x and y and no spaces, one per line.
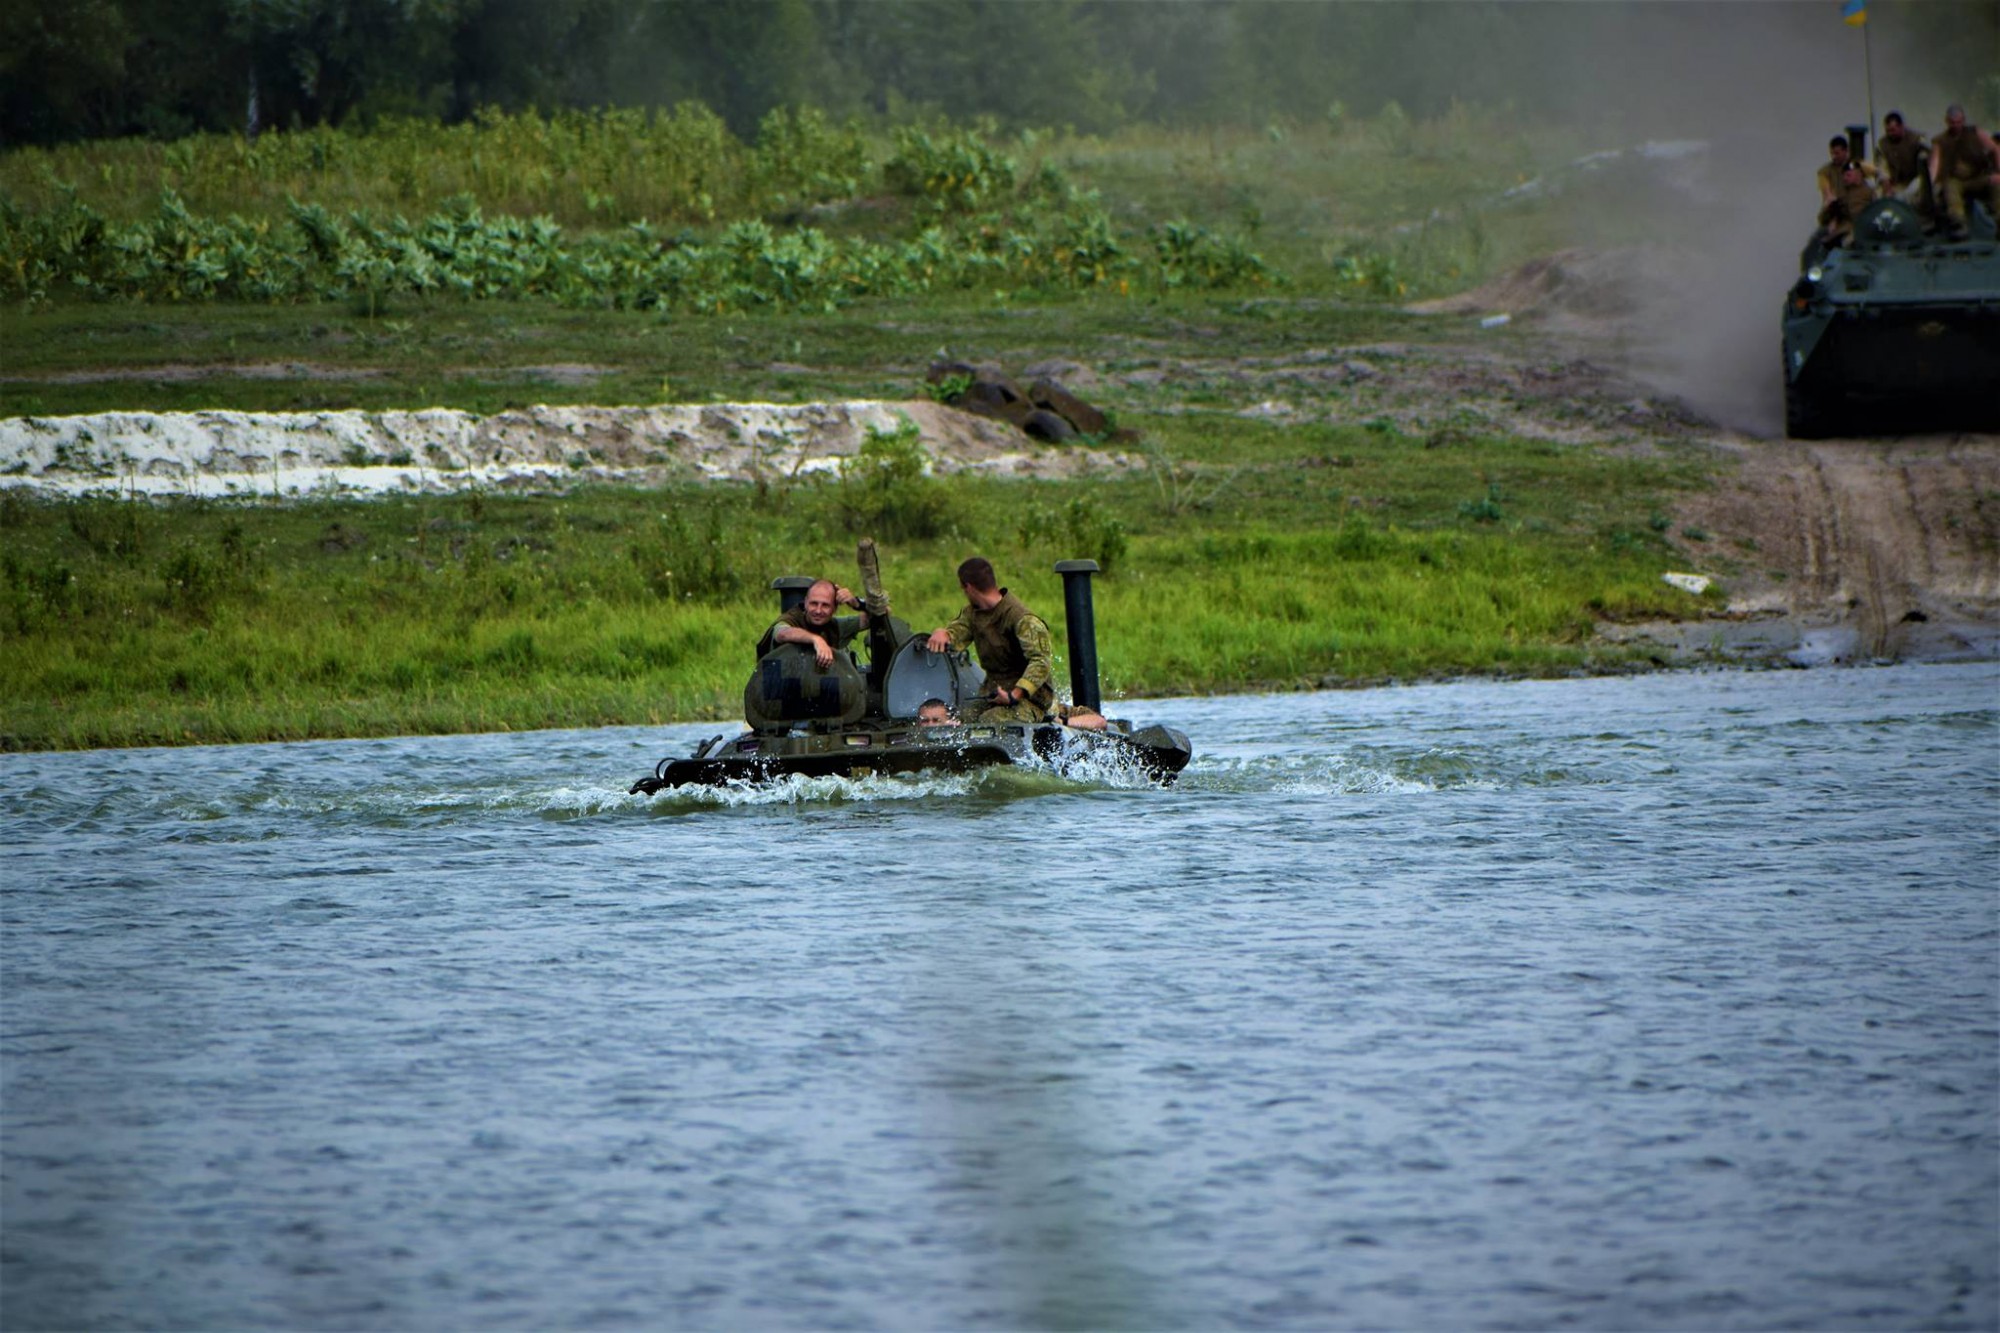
{"x":1846,"y":186}
{"x":1905,"y":158}
{"x":1965,"y":168}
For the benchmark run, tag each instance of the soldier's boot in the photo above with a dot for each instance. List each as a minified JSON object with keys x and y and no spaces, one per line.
{"x":873,"y":598}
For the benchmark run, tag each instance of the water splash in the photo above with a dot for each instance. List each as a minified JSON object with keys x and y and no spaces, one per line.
{"x":998,"y":783}
{"x":1362,"y":771}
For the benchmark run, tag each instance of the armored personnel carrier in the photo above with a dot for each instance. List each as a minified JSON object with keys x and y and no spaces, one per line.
{"x":854,"y":720}
{"x":1897,"y":330}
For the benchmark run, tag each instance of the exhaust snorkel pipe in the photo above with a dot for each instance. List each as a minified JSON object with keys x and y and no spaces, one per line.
{"x":791,"y":590}
{"x":1080,"y":618}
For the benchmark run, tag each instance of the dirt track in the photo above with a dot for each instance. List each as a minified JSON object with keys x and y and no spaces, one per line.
{"x":1885,"y":536}
{"x":1885,"y":546}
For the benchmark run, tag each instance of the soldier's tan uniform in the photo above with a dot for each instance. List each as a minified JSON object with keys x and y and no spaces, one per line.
{"x":1965,"y":173}
{"x":1838,"y":213}
{"x":1015,"y":650}
{"x":1906,"y":174}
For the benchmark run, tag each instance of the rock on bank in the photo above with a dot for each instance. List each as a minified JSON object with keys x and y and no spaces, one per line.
{"x":539,"y":448}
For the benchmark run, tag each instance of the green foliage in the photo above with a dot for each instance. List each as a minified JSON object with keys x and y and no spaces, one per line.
{"x":1080,"y":529}
{"x":688,"y":561}
{"x":954,"y":171}
{"x":886,"y":491}
{"x":113,"y":530}
{"x":251,"y":620}
{"x":39,"y":593}
{"x":107,"y":68}
{"x":1372,"y":273}
{"x":1192,"y":256}
{"x":688,"y":163}
{"x":1180,"y":484}
{"x":948,"y":389}
{"x":192,"y":579}
{"x":1486,"y":509}
{"x":802,"y":159}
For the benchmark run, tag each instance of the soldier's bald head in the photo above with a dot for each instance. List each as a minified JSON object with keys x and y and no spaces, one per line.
{"x":820,"y":601}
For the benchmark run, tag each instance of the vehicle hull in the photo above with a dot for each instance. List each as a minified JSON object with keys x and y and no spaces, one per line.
{"x":1898,"y":330}
{"x":1156,"y":753}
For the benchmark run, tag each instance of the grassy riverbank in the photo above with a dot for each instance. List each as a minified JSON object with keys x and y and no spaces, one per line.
{"x":1317,"y":555}
{"x":1398,"y":523}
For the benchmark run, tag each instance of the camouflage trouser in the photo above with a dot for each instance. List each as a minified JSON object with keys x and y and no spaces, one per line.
{"x":986,"y":711}
{"x":1959,"y":194}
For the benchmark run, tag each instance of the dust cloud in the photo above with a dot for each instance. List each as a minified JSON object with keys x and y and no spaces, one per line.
{"x":1765,"y":86}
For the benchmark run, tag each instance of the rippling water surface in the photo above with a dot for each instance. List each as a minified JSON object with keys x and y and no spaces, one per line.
{"x":1659,"y":1003}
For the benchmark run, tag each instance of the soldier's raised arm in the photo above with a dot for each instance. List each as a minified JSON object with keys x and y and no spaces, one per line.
{"x":955,"y":635}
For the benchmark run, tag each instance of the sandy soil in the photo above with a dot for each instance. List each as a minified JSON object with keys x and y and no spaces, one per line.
{"x":1894,"y":542}
{"x":304,"y":453}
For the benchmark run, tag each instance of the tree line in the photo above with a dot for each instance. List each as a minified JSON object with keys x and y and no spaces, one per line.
{"x":83,"y":69}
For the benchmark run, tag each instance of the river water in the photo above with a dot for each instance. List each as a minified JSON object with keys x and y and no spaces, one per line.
{"x":1668,"y":1002}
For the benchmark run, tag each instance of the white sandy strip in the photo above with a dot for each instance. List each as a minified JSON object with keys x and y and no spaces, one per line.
{"x":441,"y":449}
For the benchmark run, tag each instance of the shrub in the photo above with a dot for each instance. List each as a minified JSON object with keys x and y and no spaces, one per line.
{"x":885,"y":491}
{"x":690,"y":562}
{"x":1484,"y":510}
{"x":954,"y":171}
{"x":1082,"y":529}
{"x":193,"y":582}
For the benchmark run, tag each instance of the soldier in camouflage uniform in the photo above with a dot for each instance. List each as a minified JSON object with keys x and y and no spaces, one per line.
{"x":1965,"y":166}
{"x":1904,"y":157}
{"x":814,"y":624}
{"x":1014,"y":644}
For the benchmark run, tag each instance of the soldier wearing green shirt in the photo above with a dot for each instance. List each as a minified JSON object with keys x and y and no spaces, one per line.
{"x":1014,"y":645}
{"x":1905,"y":159}
{"x":814,"y":624}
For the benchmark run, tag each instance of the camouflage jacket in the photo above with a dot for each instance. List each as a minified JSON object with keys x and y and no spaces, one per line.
{"x":1014,"y":644}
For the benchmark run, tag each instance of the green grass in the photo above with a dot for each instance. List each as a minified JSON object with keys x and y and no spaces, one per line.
{"x":141,"y":623}
{"x":77,"y":357}
{"x":1393,"y":537}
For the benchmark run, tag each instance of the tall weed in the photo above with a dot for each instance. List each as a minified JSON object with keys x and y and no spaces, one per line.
{"x":886,"y":491}
{"x":1081,"y":529}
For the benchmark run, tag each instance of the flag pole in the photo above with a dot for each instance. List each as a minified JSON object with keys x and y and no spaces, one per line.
{"x":1868,"y":67}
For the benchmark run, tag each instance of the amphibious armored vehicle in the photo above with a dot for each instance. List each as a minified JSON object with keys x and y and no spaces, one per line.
{"x":855,"y":720}
{"x":1895,"y":331}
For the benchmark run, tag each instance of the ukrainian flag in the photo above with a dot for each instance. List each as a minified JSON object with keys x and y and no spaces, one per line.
{"x":1855,"y":12}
